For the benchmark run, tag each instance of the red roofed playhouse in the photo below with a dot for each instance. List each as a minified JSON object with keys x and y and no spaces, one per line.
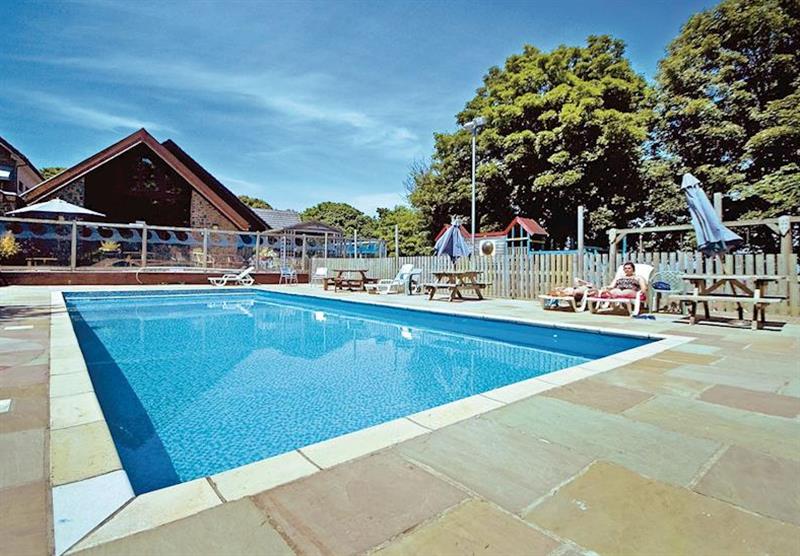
{"x":520,"y":234}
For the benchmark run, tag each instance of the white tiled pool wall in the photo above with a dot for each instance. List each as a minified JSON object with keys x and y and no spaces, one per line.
{"x":79,"y":507}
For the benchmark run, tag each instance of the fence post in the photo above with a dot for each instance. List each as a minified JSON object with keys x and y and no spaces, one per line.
{"x":257,"y":256}
{"x":325,"y":256}
{"x":304,"y":253}
{"x":205,"y":248}
{"x":793,"y":292}
{"x":579,"y":274}
{"x":144,"y":245}
{"x":73,"y":248}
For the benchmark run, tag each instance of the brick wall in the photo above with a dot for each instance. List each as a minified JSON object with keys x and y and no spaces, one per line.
{"x":204,"y":215}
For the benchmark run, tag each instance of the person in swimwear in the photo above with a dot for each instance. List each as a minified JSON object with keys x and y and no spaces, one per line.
{"x":628,"y":285}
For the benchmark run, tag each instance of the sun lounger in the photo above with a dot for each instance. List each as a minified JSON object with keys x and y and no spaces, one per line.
{"x":574,"y":302}
{"x":632,"y":305}
{"x":243,"y":278}
{"x":394,"y":285}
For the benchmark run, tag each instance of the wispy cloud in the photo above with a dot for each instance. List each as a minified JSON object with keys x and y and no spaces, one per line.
{"x":299,"y":99}
{"x":69,"y":111}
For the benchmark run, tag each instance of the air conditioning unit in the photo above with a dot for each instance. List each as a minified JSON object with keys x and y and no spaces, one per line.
{"x":487,"y":247}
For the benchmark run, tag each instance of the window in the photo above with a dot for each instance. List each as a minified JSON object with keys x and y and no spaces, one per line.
{"x":6,"y":173}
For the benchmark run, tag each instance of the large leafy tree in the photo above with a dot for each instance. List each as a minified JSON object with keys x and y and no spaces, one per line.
{"x":255,"y":202}
{"x":565,"y":128}
{"x":728,"y":102}
{"x":413,"y":237}
{"x":341,"y":215}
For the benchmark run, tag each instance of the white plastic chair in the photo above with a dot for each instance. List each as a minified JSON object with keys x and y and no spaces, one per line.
{"x":320,"y":275}
{"x":243,"y":278}
{"x":393,"y":285}
{"x":288,"y":275}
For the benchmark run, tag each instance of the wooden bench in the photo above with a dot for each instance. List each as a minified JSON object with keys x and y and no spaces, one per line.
{"x":758,"y":302}
{"x":455,"y":289}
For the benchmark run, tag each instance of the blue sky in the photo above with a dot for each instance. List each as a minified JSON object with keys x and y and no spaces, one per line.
{"x":296,"y":103}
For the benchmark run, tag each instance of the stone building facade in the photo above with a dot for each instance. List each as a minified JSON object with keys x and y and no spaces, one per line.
{"x":205,"y":215}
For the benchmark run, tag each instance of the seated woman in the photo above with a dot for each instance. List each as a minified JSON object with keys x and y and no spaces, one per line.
{"x":627,"y":286}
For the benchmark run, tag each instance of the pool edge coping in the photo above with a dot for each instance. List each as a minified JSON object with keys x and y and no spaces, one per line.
{"x":256,"y":477}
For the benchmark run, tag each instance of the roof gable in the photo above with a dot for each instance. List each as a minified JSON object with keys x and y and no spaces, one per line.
{"x":16,"y":152}
{"x":211,"y":189}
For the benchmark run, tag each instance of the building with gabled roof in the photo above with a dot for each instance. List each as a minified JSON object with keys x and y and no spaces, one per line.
{"x":138,"y":179}
{"x":17,"y":174}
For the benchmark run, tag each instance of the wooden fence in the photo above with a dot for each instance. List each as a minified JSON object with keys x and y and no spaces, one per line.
{"x":526,"y":276}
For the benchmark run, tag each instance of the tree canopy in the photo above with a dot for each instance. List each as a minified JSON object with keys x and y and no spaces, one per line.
{"x":728,"y":104}
{"x":50,"y":171}
{"x":564,"y":128}
{"x":255,"y":202}
{"x":341,"y":215}
{"x":414,"y":240}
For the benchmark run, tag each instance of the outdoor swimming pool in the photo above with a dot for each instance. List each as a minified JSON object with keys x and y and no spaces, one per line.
{"x":192,"y":384}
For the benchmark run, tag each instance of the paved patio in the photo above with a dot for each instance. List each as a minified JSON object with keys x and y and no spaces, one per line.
{"x":693,"y":451}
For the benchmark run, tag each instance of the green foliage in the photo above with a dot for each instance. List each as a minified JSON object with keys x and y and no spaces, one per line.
{"x":565,"y":128}
{"x":413,"y":237}
{"x":728,"y":104}
{"x":342,"y":216}
{"x":255,"y":202}
{"x":51,"y":171}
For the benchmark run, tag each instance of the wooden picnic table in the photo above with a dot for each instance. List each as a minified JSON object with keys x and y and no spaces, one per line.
{"x":455,"y":282}
{"x":340,"y":281}
{"x":712,"y":287}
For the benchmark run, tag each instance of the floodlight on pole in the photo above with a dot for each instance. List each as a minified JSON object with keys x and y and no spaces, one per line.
{"x":473,"y":126}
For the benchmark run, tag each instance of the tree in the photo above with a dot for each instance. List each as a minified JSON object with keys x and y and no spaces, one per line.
{"x":728,"y":101}
{"x":51,"y":171}
{"x":413,"y":237}
{"x":342,"y":216}
{"x":255,"y":202}
{"x":565,"y":128}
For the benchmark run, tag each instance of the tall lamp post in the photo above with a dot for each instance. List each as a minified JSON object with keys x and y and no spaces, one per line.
{"x":473,"y":127}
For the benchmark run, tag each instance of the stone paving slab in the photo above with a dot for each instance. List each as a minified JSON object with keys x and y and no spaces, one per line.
{"x":599,"y":395}
{"x":473,"y":528}
{"x":151,"y":510}
{"x":235,"y":528}
{"x":653,"y":382}
{"x":81,"y":452}
{"x":760,"y":402}
{"x":758,"y":482}
{"x":24,"y":519}
{"x":22,"y":460}
{"x":742,"y":378}
{"x":652,"y":451}
{"x":28,"y":410}
{"x":23,"y":375}
{"x":510,"y":468}
{"x":353,"y":507}
{"x":612,"y":510}
{"x":764,"y":433}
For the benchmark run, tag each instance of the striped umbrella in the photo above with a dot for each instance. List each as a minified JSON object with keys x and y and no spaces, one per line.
{"x":713,"y":238}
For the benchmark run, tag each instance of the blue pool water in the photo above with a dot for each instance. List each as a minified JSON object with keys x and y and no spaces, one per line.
{"x":192,"y":384}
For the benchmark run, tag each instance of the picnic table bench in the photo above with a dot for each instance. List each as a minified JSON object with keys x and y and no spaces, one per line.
{"x":709,"y":288}
{"x":455,"y":282}
{"x":341,"y":282}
